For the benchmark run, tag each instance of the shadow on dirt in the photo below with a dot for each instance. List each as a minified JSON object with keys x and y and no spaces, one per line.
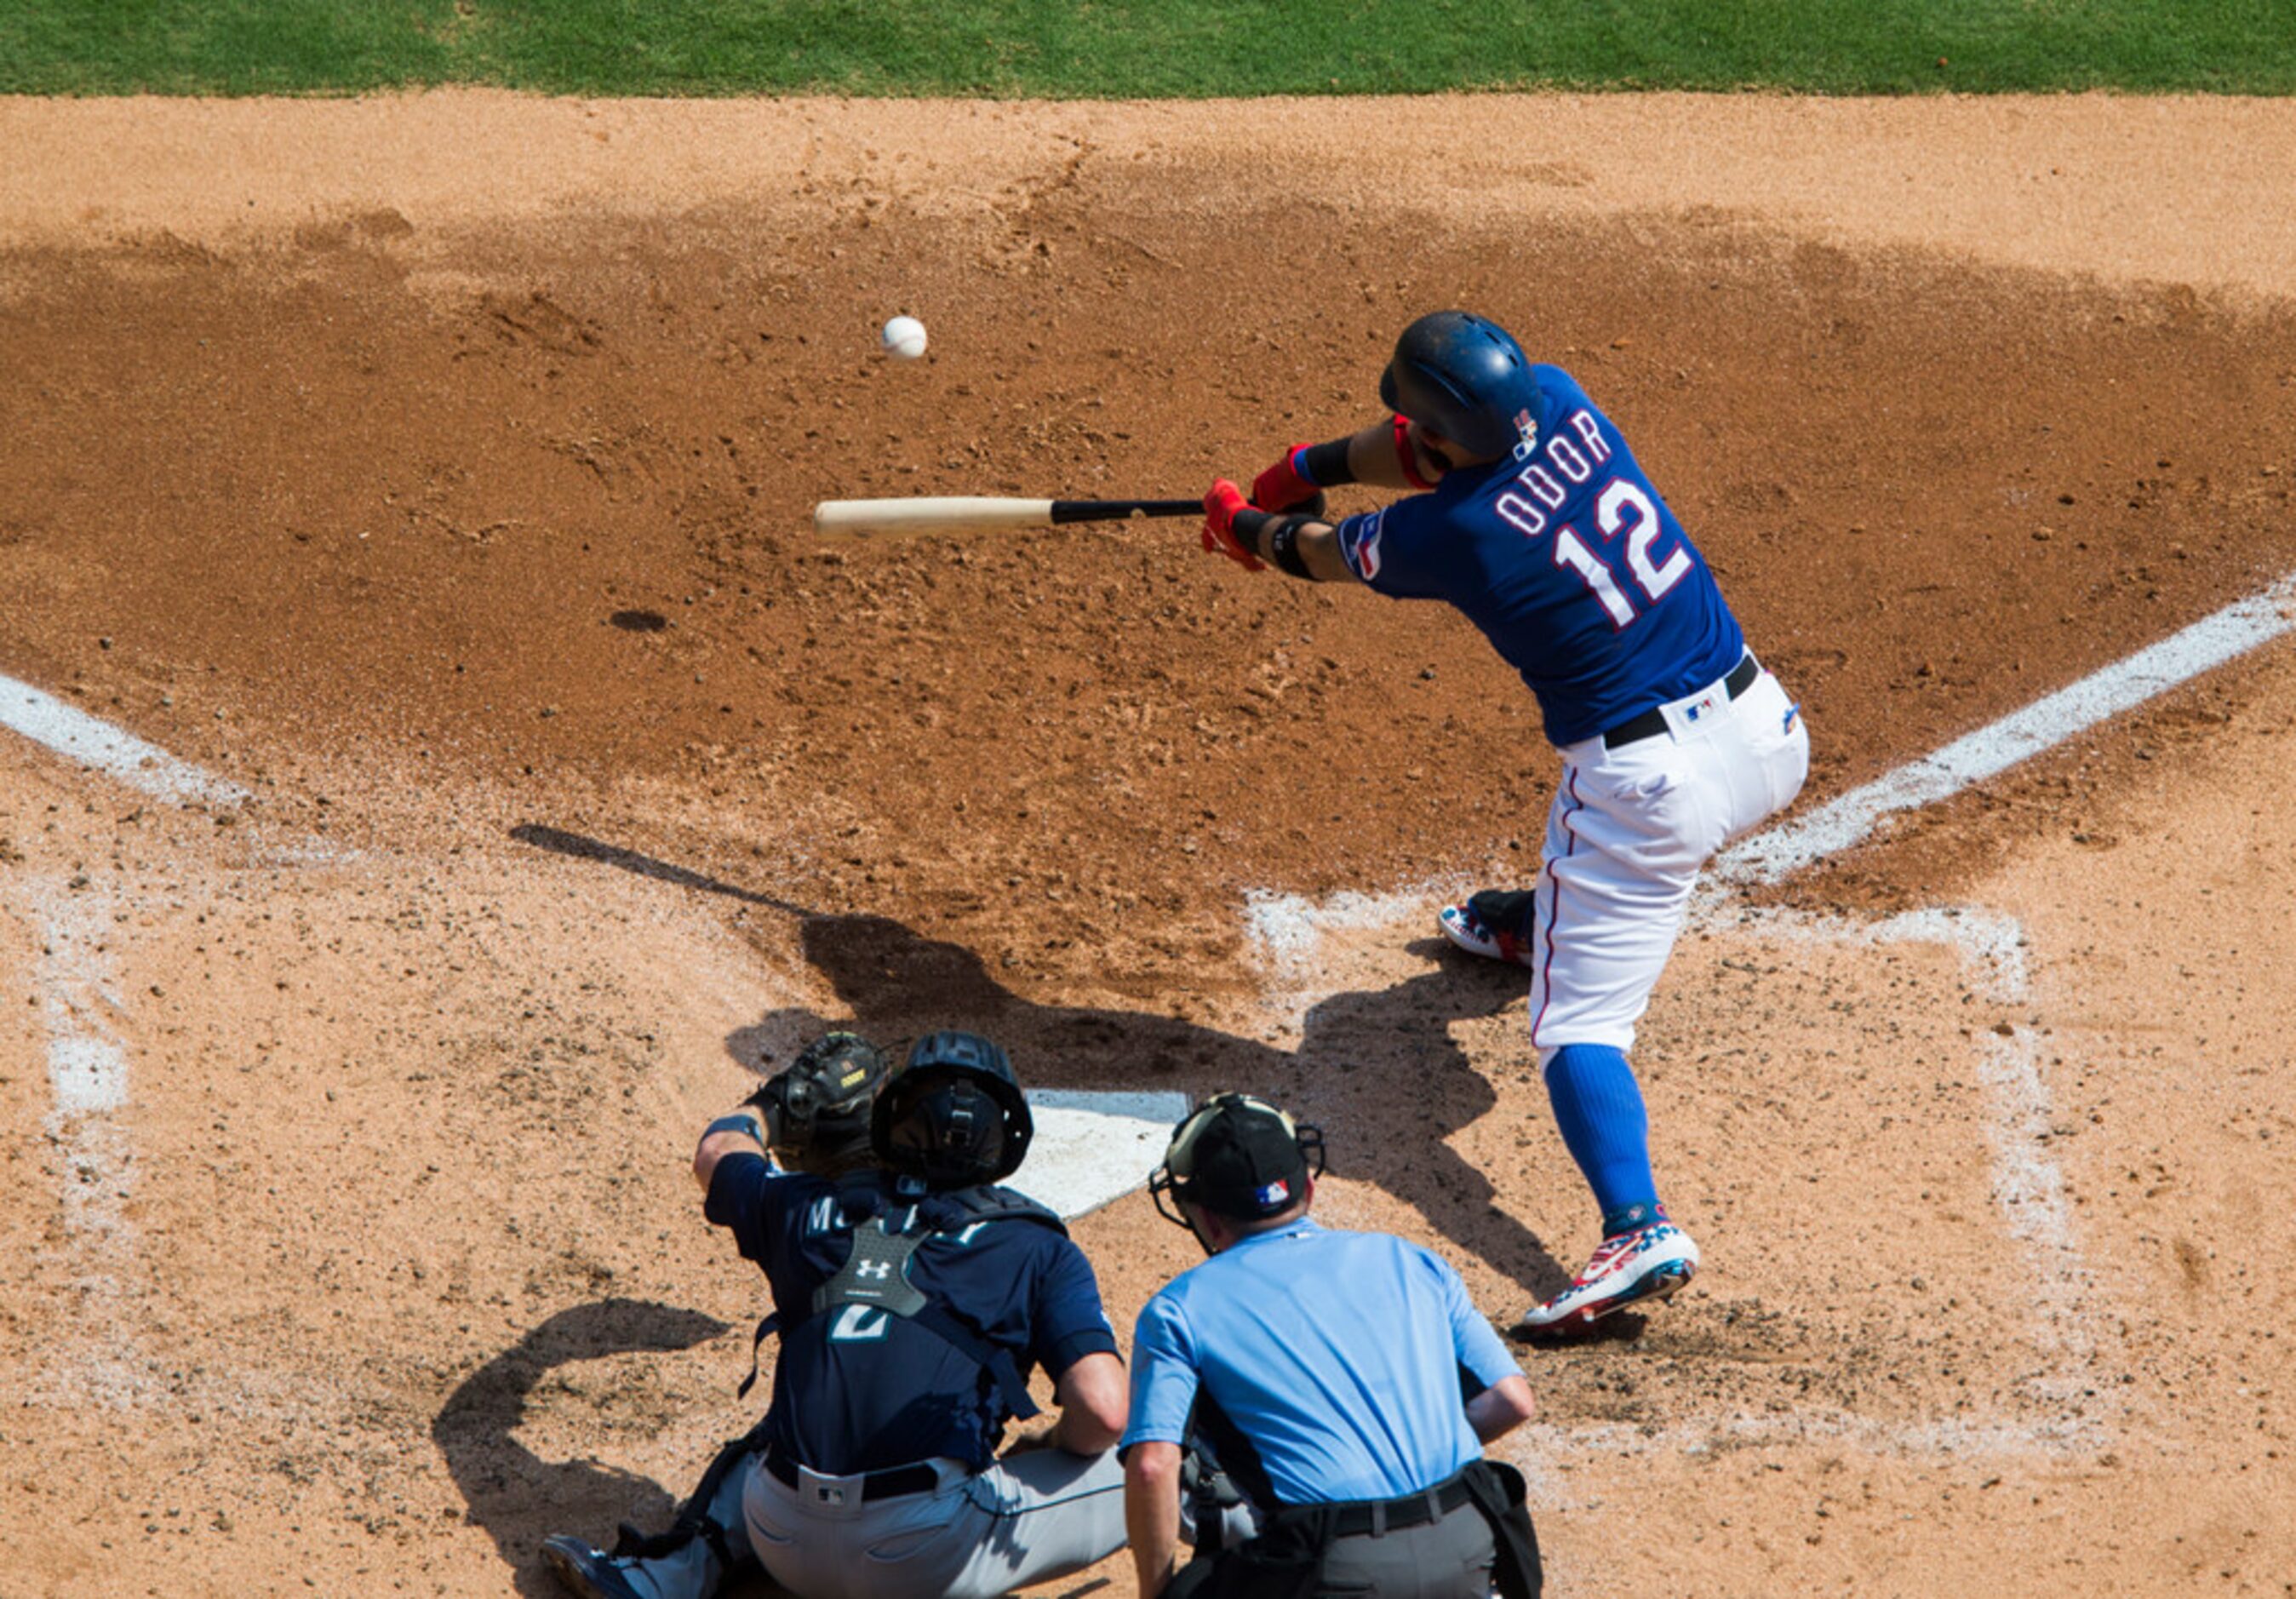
{"x":519,"y":1498}
{"x":898,"y":984}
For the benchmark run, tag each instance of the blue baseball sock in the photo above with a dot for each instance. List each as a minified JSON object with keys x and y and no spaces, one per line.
{"x":1598,"y":1106}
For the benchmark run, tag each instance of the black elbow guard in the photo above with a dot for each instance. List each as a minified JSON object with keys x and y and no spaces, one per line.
{"x":1283,"y":547}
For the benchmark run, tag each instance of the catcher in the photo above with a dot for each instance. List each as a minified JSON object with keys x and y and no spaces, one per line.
{"x":911,"y":1297}
{"x":815,"y":1115}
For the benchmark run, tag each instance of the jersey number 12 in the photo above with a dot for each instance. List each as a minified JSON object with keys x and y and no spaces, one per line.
{"x":1623,"y":507}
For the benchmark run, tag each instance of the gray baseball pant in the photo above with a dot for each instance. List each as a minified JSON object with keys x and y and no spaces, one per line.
{"x":1027,"y":1518}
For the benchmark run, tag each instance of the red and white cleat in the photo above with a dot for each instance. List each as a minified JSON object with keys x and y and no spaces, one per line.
{"x":1494,"y":924}
{"x":1648,"y":1263}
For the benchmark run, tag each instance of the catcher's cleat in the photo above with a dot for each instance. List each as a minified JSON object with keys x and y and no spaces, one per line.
{"x":1494,"y":924}
{"x":1647,"y":1263}
{"x":592,"y":1573}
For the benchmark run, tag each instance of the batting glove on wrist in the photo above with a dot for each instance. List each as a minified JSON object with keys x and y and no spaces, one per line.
{"x":1282,"y":487}
{"x":1222,"y":504}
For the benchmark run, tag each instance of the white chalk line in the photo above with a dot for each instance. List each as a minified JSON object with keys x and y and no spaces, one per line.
{"x":2026,"y":1182}
{"x":1772,"y":855}
{"x":119,"y":755}
{"x":2027,"y":1185}
{"x":88,"y":1083}
{"x":88,"y":1079}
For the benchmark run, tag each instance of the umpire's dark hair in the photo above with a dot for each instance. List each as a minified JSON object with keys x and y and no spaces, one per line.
{"x":954,"y":1115}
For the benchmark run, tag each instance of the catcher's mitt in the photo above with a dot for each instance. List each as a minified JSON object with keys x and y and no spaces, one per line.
{"x":816,"y":1109}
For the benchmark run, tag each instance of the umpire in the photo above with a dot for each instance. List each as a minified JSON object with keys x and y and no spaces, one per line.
{"x":912,"y":1298}
{"x":1324,"y":1371}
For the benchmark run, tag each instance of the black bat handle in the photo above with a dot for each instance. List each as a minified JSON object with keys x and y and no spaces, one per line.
{"x":1117,"y":511}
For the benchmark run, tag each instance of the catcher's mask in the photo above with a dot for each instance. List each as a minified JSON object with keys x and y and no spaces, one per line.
{"x":1465,"y":377}
{"x":953,"y":1115}
{"x":825,"y":1098}
{"x":1237,"y":1157}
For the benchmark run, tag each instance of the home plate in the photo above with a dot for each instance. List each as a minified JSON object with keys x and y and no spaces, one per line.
{"x":1092,"y":1147}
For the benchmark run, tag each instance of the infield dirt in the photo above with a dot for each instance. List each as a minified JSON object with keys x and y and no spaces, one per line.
{"x":437,"y":469}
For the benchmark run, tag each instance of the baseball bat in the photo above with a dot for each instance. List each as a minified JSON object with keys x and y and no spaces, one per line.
{"x":972,"y":514}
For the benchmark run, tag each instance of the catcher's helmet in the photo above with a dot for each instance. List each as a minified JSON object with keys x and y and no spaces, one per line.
{"x":1465,"y":378}
{"x":954,"y":1114}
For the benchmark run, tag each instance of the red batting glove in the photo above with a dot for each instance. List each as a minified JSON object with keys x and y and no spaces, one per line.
{"x":1281,"y":488}
{"x":1221,"y":504}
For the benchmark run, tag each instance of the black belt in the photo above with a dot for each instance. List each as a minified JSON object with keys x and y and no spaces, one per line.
{"x":1652,"y":722}
{"x":1416,"y":1510}
{"x":889,"y":1484}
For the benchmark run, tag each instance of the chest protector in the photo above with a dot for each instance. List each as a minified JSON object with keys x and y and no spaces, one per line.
{"x":875,"y":1275}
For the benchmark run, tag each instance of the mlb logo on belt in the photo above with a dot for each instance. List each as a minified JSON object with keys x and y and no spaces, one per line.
{"x":1699,"y":707}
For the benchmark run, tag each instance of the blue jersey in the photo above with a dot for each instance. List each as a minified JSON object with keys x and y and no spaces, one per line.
{"x":1338,"y":1354}
{"x":861,"y":1392}
{"x":1570,"y":564}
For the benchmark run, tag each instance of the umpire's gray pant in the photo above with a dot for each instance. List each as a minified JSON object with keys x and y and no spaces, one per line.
{"x":1449,"y":1559}
{"x":1027,"y":1519}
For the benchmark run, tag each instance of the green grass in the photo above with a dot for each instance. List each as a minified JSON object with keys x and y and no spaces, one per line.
{"x":1144,"y":48}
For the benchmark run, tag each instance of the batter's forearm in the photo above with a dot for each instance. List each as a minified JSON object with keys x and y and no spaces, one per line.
{"x":1386,"y":456}
{"x":1299,"y":546}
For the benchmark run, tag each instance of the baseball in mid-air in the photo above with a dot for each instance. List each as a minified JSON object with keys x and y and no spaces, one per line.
{"x":905,"y":338}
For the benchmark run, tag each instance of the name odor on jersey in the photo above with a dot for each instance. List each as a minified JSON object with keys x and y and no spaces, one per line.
{"x":1526,"y":511}
{"x":1542,"y":491}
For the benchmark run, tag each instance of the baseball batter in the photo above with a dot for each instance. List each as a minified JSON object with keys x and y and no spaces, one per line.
{"x":1533,"y":519}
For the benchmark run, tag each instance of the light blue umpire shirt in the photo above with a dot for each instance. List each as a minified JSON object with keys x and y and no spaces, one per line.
{"x":1337,"y":1354}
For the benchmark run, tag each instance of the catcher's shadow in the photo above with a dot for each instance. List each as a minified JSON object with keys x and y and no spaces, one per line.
{"x":515,"y":1494}
{"x":898,"y":984}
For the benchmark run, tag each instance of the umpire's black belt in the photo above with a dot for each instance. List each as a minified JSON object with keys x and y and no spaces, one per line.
{"x":1652,"y":722}
{"x":890,"y":1484}
{"x":1388,"y":1515}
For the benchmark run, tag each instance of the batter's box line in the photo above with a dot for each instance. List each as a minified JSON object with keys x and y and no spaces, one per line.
{"x":1538,"y":1449}
{"x":2026,"y":1182}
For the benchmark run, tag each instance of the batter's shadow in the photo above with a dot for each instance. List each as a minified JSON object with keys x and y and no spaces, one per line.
{"x":895,"y":984}
{"x":514,"y":1495}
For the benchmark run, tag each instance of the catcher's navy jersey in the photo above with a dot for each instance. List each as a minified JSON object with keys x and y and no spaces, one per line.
{"x":859,"y":1390}
{"x":1568,"y":562}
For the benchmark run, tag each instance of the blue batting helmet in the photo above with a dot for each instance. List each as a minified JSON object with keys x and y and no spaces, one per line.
{"x":1465,"y":378}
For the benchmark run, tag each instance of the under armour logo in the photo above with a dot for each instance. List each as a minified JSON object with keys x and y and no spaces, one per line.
{"x":874,"y":1270}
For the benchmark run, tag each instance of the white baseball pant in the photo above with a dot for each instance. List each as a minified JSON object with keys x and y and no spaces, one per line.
{"x":1626,"y":836}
